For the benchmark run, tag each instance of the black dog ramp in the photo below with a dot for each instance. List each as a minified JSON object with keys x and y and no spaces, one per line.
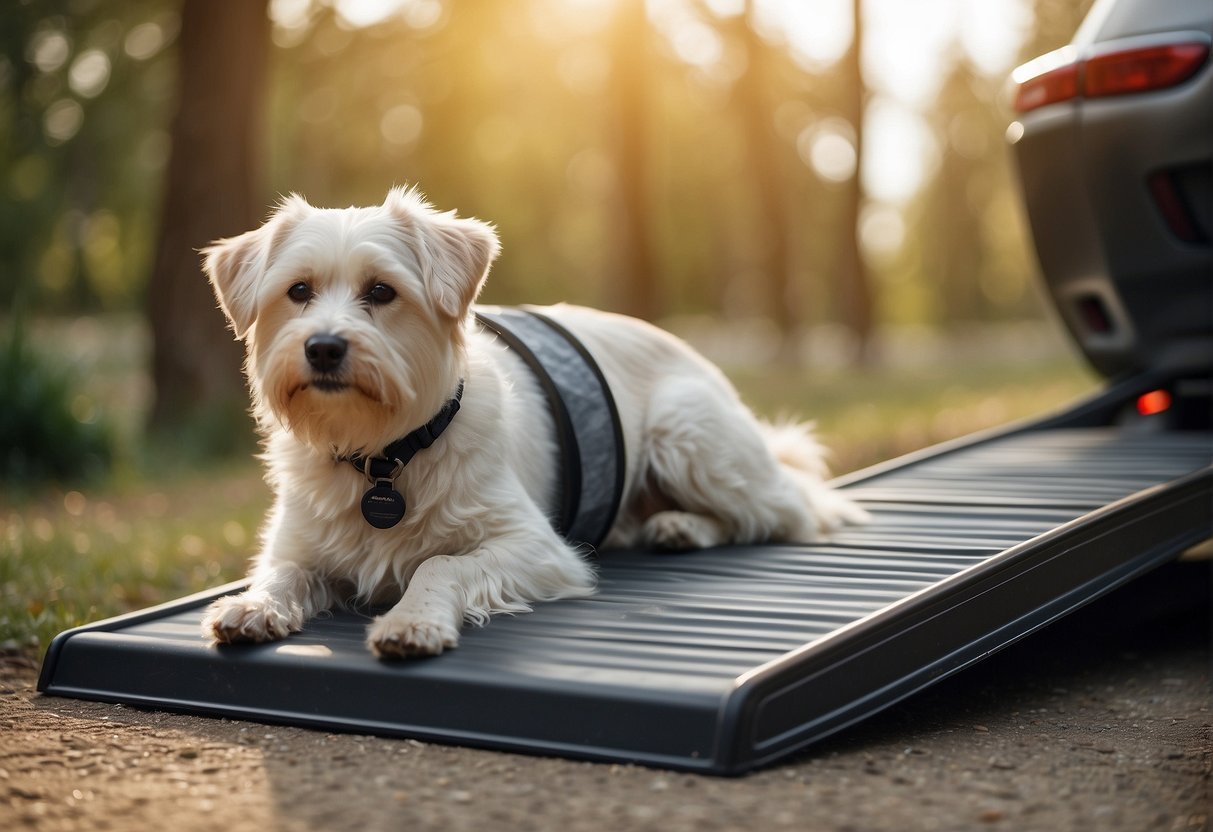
{"x":720,"y":661}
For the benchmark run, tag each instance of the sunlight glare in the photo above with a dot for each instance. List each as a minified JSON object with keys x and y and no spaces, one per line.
{"x":697,"y":43}
{"x":290,"y":14}
{"x":818,"y":31}
{"x":906,"y":47}
{"x":882,"y":230}
{"x":144,"y":41}
{"x":89,"y":73}
{"x":907,"y":52}
{"x":62,"y":120}
{"x":900,"y":151}
{"x":694,"y":40}
{"x":992,"y":33}
{"x":362,"y":13}
{"x":725,"y":8}
{"x":401,"y":125}
{"x":910,"y":45}
{"x":559,"y":20}
{"x":828,"y":147}
{"x":49,"y":50}
{"x":585,"y":70}
{"x":423,"y":14}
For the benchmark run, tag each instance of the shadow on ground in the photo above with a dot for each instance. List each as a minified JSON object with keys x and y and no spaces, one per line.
{"x":1100,"y":721}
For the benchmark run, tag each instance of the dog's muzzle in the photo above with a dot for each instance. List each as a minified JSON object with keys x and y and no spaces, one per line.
{"x":325,"y":351}
{"x":589,"y":434}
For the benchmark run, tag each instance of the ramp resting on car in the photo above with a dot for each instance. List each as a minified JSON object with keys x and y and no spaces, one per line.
{"x":724,"y":660}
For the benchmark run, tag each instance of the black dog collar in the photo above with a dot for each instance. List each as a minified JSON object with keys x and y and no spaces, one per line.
{"x":591,"y":466}
{"x":383,"y":506}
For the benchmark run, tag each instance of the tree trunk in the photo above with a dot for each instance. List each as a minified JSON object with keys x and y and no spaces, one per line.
{"x":630,"y":81}
{"x":854,"y":281}
{"x":213,"y":190}
{"x":754,"y":97}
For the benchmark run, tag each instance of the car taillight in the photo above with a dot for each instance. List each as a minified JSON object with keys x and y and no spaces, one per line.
{"x":1154,"y":402}
{"x":1045,"y":80}
{"x":1060,"y":76}
{"x":1142,"y":70}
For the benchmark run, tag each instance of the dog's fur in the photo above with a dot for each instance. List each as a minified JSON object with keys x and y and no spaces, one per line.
{"x":476,"y":538}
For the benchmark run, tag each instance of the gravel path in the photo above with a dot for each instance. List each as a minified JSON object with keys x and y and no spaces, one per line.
{"x":1101,"y":722}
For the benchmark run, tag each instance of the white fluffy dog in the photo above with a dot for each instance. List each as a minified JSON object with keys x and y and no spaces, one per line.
{"x":358,"y":329}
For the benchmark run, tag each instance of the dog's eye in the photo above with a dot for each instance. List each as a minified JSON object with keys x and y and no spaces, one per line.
{"x":380,"y":294}
{"x":300,"y":293}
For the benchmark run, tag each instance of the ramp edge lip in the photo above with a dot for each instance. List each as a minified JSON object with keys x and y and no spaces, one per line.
{"x":985,"y":568}
{"x":1139,"y":567}
{"x":889,"y":618}
{"x":706,"y":764}
{"x":126,"y":619}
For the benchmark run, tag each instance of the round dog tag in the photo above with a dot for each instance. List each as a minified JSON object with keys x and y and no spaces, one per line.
{"x":383,"y":506}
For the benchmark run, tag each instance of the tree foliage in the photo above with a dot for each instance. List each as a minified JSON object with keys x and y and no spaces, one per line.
{"x":85,"y":92}
{"x":657,"y":157}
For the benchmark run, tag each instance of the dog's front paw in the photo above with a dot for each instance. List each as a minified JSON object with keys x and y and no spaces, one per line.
{"x":392,"y":637}
{"x":249,"y":617}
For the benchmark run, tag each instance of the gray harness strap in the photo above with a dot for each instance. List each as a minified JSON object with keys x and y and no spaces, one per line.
{"x":588,"y":432}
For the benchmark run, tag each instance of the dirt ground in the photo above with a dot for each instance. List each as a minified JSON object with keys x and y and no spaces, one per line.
{"x":1101,"y":722}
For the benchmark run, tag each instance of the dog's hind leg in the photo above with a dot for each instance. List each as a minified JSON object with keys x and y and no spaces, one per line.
{"x":707,"y":453}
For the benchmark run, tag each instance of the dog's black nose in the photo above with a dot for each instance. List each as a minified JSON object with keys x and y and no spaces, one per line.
{"x":325,"y":352}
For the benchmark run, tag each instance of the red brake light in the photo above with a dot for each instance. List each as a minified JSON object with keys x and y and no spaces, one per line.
{"x":1153,"y":403}
{"x":1046,"y":80}
{"x":1060,"y":76}
{"x":1058,"y":85}
{"x":1141,"y":70}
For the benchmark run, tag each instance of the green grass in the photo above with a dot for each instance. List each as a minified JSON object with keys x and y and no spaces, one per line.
{"x":870,"y":417}
{"x":68,"y":557}
{"x":151,"y":533}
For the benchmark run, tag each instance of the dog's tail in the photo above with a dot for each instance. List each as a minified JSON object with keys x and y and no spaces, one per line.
{"x":795,"y":446}
{"x":798,"y":451}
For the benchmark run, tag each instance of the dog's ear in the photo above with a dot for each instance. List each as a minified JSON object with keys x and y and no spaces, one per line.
{"x":455,"y":252}
{"x":235,"y":265}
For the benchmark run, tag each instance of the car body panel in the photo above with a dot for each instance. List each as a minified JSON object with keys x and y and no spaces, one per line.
{"x":1132,"y":292}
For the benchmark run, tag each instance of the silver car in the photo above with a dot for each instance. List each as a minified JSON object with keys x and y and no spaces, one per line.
{"x":1114,"y":142}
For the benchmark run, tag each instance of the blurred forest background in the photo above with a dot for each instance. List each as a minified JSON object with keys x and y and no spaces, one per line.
{"x":815,"y":192}
{"x":814,"y":174}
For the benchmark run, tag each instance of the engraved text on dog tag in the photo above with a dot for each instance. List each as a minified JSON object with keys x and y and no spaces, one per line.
{"x":383,"y":505}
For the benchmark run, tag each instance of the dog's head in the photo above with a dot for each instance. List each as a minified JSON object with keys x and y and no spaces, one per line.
{"x":353,"y":318}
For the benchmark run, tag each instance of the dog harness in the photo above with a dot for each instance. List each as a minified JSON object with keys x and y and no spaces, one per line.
{"x":589,"y":435}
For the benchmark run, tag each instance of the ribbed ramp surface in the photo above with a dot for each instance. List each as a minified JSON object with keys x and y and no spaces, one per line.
{"x":720,"y":660}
